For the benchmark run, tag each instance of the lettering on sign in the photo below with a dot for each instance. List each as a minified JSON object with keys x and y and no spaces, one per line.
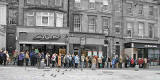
{"x":151,"y":46}
{"x":49,"y":36}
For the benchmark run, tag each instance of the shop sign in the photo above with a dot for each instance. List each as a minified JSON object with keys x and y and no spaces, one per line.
{"x":49,"y":36}
{"x":100,"y":53}
{"x":95,"y":53}
{"x":151,"y":46}
{"x":89,"y":53}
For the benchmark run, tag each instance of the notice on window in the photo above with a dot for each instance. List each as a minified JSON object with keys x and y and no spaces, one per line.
{"x":89,"y":53}
{"x":95,"y":53}
{"x":100,"y":53}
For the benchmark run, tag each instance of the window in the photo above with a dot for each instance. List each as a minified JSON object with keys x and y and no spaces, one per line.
{"x":45,"y":19}
{"x":141,"y":29}
{"x":3,"y":15}
{"x":91,"y":4}
{"x":129,"y":29}
{"x":30,"y":19}
{"x":13,"y":16}
{"x":78,"y":3}
{"x":140,"y":9}
{"x":117,"y":27}
{"x":105,"y":24}
{"x":151,"y":30}
{"x":129,"y":8}
{"x":77,"y":23}
{"x":91,"y":23}
{"x":151,"y":10}
{"x":30,"y":1}
{"x":59,"y":19}
{"x":58,"y":2}
{"x":105,"y":5}
{"x":44,"y":2}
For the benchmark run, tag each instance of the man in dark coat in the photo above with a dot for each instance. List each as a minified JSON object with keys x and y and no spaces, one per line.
{"x":4,"y":58}
{"x":1,"y":56}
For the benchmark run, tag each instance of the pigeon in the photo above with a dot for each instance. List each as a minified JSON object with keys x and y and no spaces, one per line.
{"x":51,"y":75}
{"x":43,"y":75}
{"x":66,"y":70}
{"x":55,"y":75}
{"x":70,"y":70}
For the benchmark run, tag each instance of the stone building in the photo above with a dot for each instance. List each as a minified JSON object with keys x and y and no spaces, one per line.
{"x":38,"y":24}
{"x":136,"y":26}
{"x":90,"y":22}
{"x":3,"y":19}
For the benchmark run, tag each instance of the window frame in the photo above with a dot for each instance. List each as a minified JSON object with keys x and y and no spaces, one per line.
{"x":151,"y":26}
{"x":139,"y":33}
{"x":105,"y":24}
{"x":90,"y":17}
{"x":129,"y":28}
{"x":28,"y":15}
{"x":117,"y":26}
{"x":129,"y":8}
{"x":92,"y":4}
{"x":59,"y":4}
{"x":77,"y":16}
{"x":151,"y":10}
{"x":61,"y":18}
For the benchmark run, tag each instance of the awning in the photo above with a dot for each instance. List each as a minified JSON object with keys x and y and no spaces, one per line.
{"x":56,"y":43}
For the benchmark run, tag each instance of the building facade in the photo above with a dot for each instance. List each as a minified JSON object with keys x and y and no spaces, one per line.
{"x":38,"y":24}
{"x":90,"y":22}
{"x":3,"y":19}
{"x":138,"y":28}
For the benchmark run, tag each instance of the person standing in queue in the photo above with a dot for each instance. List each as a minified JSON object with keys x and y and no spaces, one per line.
{"x":59,"y":60}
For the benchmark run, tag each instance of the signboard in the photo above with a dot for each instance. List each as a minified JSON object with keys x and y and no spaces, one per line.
{"x":100,"y":53}
{"x":49,"y":36}
{"x":89,"y":53}
{"x":95,"y":53}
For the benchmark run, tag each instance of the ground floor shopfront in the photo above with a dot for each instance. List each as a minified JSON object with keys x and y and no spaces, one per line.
{"x":45,"y":40}
{"x":87,"y":44}
{"x":144,"y":50}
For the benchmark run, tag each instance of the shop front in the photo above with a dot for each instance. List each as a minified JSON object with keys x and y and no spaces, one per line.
{"x":44,"y":42}
{"x":144,"y":50}
{"x":89,"y":46}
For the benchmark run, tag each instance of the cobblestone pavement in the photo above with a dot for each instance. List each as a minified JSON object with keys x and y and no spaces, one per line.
{"x":30,"y":73}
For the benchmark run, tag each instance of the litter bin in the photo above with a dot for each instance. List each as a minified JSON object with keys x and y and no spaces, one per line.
{"x":136,"y":67}
{"x":42,"y":64}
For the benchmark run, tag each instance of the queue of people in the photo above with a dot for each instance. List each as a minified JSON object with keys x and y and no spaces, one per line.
{"x":69,"y":60}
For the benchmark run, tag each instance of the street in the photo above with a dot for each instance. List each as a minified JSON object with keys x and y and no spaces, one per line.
{"x":32,"y":73}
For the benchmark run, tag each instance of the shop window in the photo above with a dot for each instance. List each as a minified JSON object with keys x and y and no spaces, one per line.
{"x":91,"y":23}
{"x":13,"y":16}
{"x":117,"y":27}
{"x":105,"y":24}
{"x":91,"y":4}
{"x":129,"y":8}
{"x":141,"y":29}
{"x":140,"y":11}
{"x":151,"y":9}
{"x":77,"y":23}
{"x":44,"y":2}
{"x":129,"y":29}
{"x":59,"y":19}
{"x":77,"y":3}
{"x":30,"y":19}
{"x":151,"y":30}
{"x":58,"y":2}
